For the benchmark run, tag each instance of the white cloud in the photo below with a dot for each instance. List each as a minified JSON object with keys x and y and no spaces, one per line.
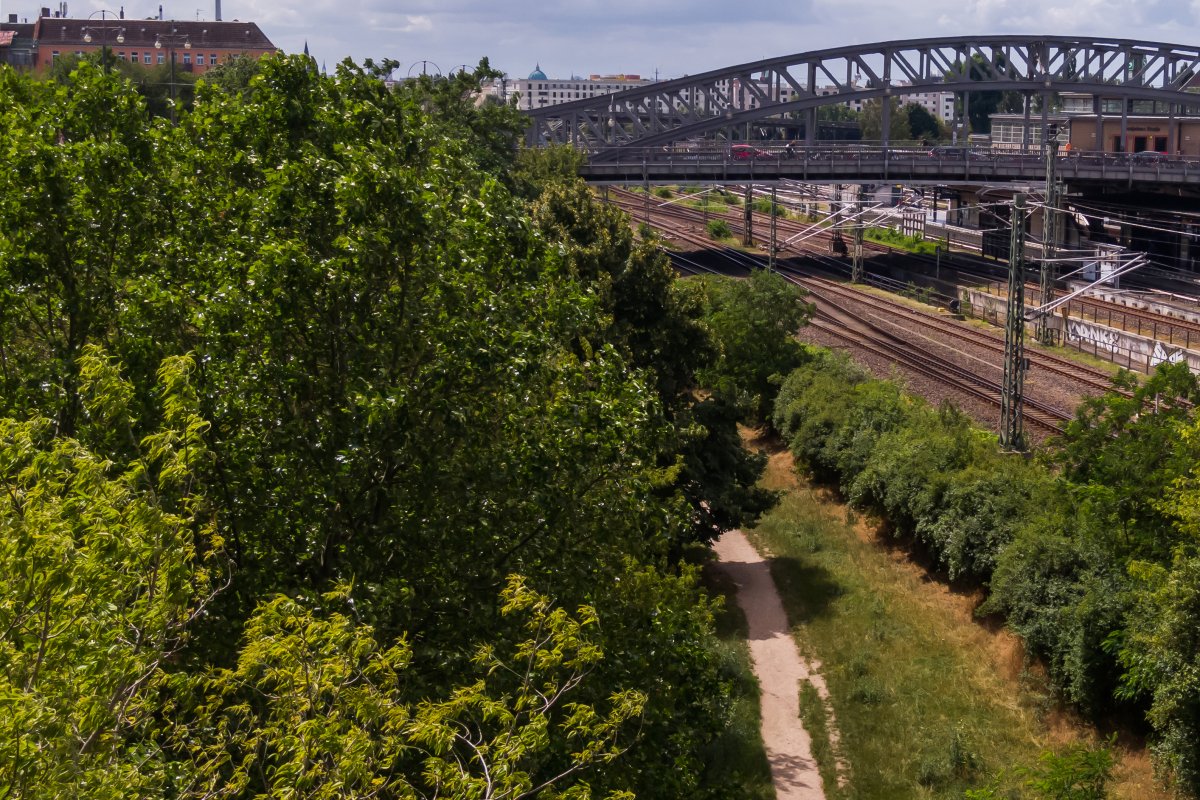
{"x":673,"y":36}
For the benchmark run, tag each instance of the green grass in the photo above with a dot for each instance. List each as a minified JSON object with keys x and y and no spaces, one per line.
{"x":920,"y":710}
{"x":816,"y":722}
{"x":913,"y":244}
{"x":738,"y":755}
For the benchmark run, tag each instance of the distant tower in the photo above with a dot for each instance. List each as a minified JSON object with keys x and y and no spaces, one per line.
{"x":218,"y":10}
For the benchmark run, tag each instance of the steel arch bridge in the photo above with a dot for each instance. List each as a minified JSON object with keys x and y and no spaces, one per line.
{"x":1036,"y":65}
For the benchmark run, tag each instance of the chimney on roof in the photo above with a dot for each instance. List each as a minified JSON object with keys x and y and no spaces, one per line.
{"x":218,"y":10}
{"x":160,"y":12}
{"x":12,"y":19}
{"x":45,"y":12}
{"x":122,"y":12}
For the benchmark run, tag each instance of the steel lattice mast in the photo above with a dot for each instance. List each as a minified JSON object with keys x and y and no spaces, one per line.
{"x":1012,"y":435}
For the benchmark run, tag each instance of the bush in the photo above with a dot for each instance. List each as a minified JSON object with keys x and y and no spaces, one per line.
{"x":719,"y":229}
{"x":663,"y":192}
{"x":765,"y":206}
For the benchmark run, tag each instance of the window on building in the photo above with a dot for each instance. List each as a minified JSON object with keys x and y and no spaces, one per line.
{"x":121,"y":55}
{"x":187,"y":59}
{"x":147,"y":59}
{"x":1111,"y":106}
{"x":199,"y":59}
{"x":133,"y":57}
{"x":212,"y":60}
{"x":54,"y":55}
{"x":162,"y":58}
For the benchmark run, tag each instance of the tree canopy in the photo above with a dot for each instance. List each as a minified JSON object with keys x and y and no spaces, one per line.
{"x":308,"y":405}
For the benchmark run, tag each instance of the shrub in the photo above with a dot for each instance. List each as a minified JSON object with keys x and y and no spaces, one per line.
{"x":719,"y":229}
{"x":765,"y":206}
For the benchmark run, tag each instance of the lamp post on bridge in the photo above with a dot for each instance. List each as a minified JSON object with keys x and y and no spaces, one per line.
{"x":103,"y":30}
{"x":171,"y":41}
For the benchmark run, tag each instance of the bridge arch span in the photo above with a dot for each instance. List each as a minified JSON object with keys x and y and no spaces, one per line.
{"x":685,"y":107}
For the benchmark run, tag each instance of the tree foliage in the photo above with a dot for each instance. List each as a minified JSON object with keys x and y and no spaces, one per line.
{"x":871,"y":121}
{"x":422,"y":369}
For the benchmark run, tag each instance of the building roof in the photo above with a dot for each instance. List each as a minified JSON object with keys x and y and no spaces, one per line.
{"x":142,"y":33}
{"x":537,"y":74}
{"x":20,"y":30}
{"x":6,"y":38}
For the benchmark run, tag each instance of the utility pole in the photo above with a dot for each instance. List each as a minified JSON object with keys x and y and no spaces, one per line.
{"x":748,"y":216}
{"x":1012,"y":436}
{"x":771,"y":260}
{"x":1049,"y":237}
{"x":646,"y":190}
{"x":856,"y":270}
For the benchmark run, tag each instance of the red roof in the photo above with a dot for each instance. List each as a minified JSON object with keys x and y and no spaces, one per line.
{"x":141,"y":33}
{"x":6,"y":38}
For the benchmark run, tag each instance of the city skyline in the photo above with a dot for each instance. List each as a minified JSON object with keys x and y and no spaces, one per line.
{"x":665,"y":40}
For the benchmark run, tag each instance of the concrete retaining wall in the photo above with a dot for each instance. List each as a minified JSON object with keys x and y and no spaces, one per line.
{"x":1129,"y":350}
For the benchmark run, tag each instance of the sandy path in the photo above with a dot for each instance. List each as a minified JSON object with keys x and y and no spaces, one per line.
{"x":778,"y":667}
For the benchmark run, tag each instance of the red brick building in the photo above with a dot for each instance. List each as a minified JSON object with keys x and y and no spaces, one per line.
{"x":198,"y":46}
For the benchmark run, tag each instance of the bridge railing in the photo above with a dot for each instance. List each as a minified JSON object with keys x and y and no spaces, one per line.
{"x":871,"y":162}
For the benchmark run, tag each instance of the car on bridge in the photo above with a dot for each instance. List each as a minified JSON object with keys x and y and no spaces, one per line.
{"x":745,"y":152}
{"x":1149,"y":157}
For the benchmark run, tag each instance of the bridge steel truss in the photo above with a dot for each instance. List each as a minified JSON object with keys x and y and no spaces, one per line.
{"x":679,"y":109}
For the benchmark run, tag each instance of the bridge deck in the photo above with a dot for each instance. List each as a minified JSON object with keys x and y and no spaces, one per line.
{"x":853,"y":165}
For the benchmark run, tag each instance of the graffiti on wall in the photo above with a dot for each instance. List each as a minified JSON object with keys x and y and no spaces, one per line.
{"x":1097,"y":338}
{"x":1162,"y":355}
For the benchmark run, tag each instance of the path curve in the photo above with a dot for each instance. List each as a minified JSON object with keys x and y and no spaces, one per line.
{"x":779,"y":669}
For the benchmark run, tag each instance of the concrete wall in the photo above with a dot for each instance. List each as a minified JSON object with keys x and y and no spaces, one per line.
{"x":1129,"y":350}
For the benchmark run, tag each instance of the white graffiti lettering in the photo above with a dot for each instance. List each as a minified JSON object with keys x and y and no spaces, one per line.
{"x":1161,"y":355}
{"x":1096,"y":337}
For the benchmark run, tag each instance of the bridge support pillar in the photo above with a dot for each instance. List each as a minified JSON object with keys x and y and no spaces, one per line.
{"x":748,"y":216}
{"x":1012,"y":435}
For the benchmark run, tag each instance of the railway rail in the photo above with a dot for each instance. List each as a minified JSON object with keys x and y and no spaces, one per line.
{"x":839,"y":320}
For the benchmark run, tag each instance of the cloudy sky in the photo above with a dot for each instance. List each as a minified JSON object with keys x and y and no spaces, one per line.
{"x":667,"y":37}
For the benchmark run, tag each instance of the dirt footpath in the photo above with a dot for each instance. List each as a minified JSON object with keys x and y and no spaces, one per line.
{"x":778,"y":667}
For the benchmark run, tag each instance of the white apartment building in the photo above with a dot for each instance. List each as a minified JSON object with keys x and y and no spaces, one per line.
{"x":539,"y":91}
{"x":939,"y":104}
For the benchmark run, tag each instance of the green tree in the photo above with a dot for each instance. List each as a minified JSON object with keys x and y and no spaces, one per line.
{"x":419,"y":380}
{"x":921,"y":124}
{"x":104,"y":564}
{"x":316,"y":707}
{"x":234,"y":74}
{"x":1126,"y":451}
{"x":755,"y":323}
{"x":871,"y":121}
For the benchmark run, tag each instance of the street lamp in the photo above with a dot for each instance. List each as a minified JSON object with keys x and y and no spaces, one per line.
{"x":103,"y":30}
{"x":173,"y":39}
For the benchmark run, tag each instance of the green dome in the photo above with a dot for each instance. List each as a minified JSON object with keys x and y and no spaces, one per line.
{"x":537,"y":74}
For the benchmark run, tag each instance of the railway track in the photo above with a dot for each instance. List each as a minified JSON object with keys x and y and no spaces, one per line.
{"x":1093,"y":379}
{"x":848,"y":325}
